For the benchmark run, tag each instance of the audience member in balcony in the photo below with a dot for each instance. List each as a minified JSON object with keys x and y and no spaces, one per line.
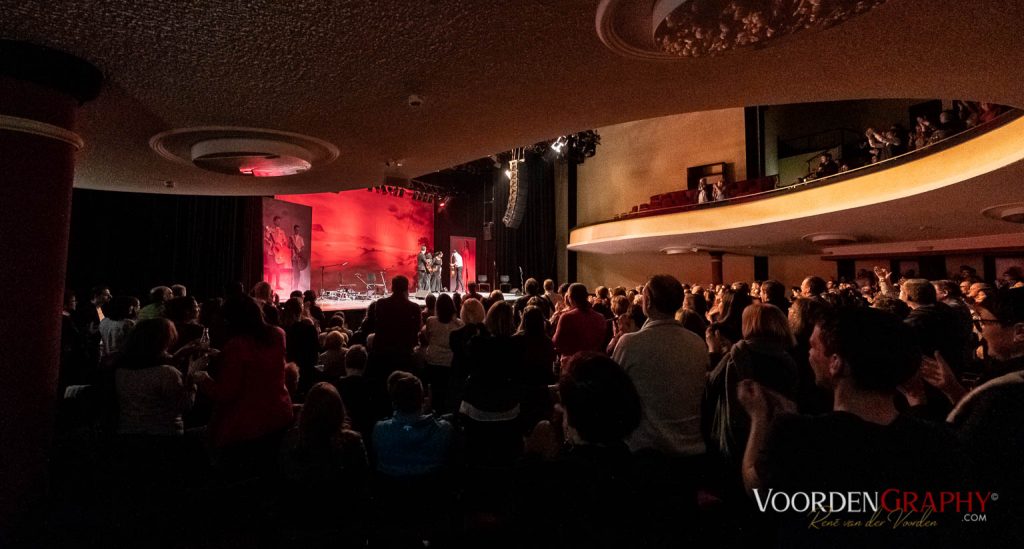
{"x":948,"y":126}
{"x":763,"y":356}
{"x":580,"y":328}
{"x":922,"y":132}
{"x":667,"y":363}
{"x":705,"y":192}
{"x":575,"y":488}
{"x":413,"y":442}
{"x":721,"y":191}
{"x":898,"y":139}
{"x":862,"y":355}
{"x":826,"y":166}
{"x":879,"y":145}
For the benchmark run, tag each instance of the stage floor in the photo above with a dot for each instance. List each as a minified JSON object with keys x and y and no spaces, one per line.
{"x":331,"y":305}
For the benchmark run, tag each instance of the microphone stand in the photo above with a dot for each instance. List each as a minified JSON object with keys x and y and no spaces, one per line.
{"x":342,"y":274}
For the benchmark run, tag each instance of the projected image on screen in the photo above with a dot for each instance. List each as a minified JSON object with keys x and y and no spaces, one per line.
{"x":371,"y":232}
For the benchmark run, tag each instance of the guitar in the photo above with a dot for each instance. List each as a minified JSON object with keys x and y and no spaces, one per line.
{"x":300,"y":259}
{"x":276,"y":251}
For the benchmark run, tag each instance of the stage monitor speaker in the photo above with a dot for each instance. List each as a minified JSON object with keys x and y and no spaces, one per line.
{"x":421,"y":294}
{"x":506,"y":288}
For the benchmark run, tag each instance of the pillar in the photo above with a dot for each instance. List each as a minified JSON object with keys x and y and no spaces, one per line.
{"x":40,"y":91}
{"x":716,"y":267}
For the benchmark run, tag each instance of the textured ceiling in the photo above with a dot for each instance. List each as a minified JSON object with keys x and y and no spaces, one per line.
{"x":494,"y":75}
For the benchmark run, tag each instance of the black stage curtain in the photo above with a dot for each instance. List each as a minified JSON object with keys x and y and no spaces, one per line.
{"x":532,"y":245}
{"x":132,"y":242}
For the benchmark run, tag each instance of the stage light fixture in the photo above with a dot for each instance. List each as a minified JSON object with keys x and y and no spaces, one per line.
{"x":558,"y":145}
{"x":508,"y":174}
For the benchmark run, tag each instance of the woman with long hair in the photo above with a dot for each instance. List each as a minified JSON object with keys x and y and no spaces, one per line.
{"x":251,"y":405}
{"x":436,"y":332}
{"x":490,"y":407}
{"x":151,"y":393}
{"x":537,"y":366}
{"x":761,"y":355}
{"x":301,"y":341}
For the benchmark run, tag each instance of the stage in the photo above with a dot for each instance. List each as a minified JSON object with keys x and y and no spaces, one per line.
{"x":347,"y":305}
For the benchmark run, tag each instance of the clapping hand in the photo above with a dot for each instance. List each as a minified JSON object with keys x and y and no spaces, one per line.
{"x":936,"y":372}
{"x":762,"y":403}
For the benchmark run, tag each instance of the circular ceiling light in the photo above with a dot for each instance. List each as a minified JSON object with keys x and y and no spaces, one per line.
{"x":251,"y":152}
{"x":830,"y":239}
{"x":698,"y":28}
{"x":1013,"y":212}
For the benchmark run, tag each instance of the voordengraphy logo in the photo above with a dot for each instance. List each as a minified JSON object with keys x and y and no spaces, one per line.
{"x":899,"y":506}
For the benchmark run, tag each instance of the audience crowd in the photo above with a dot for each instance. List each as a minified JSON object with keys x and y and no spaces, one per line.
{"x":618,"y":417}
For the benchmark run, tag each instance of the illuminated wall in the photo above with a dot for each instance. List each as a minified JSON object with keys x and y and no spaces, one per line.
{"x":370,"y":231}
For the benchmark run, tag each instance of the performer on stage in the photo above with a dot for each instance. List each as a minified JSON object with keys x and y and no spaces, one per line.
{"x":422,"y":270}
{"x":298,"y":245}
{"x":456,"y":261}
{"x":436,"y":272}
{"x":278,"y":251}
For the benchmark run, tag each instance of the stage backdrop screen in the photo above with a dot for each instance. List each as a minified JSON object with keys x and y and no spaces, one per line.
{"x":369,"y":231}
{"x":286,"y":238}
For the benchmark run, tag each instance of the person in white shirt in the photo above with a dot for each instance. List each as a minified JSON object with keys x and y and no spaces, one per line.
{"x":456,"y":261}
{"x":668,"y":364}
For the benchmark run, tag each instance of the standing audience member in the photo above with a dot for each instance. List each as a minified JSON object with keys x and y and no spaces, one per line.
{"x":265,"y":295}
{"x":333,"y":357}
{"x":184,"y":313}
{"x":115,"y":327}
{"x":158,"y":297}
{"x":580,"y":328}
{"x":251,"y":404}
{"x":536,"y":363}
{"x":151,"y":393}
{"x":667,"y":363}
{"x":861,"y":355}
{"x":364,"y":405}
{"x":762,"y":355}
{"x":490,"y":407}
{"x":437,"y":333}
{"x":580,"y":493}
{"x":397,"y":324}
{"x":301,"y":343}
{"x":413,"y":442}
{"x":178,"y":290}
{"x":472,"y":316}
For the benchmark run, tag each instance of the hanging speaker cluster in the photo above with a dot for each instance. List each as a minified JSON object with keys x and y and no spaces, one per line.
{"x":517,"y":191}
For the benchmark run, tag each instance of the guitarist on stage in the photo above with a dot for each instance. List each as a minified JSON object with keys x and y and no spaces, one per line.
{"x":277,"y":252}
{"x":299,"y":262}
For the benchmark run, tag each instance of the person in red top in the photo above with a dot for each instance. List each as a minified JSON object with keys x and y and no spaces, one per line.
{"x":581,"y":328}
{"x":251,"y":405}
